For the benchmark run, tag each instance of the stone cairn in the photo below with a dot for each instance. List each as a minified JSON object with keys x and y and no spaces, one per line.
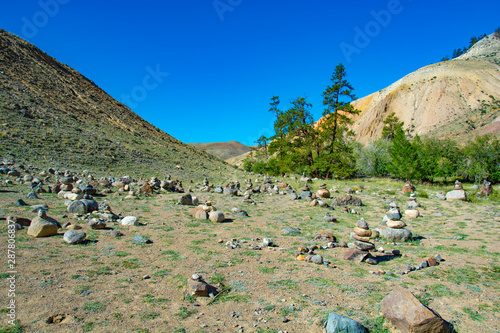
{"x":395,"y":228}
{"x":362,"y":235}
{"x":323,"y":192}
{"x":457,"y":193}
{"x":197,"y":286}
{"x":487,"y":189}
{"x":408,"y":188}
{"x":412,"y":211}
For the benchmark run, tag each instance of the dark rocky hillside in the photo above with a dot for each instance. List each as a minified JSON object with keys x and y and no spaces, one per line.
{"x":52,"y":115}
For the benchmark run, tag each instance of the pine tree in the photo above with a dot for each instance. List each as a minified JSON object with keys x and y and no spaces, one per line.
{"x":391,"y":124}
{"x":337,"y":110}
{"x":404,"y":157}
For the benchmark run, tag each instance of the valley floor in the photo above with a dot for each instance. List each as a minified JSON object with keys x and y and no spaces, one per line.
{"x":99,"y":286}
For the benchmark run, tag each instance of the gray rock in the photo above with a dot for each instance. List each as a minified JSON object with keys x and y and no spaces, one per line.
{"x":87,"y":189}
{"x":395,"y":235}
{"x":413,"y":204}
{"x":141,"y":240}
{"x":242,"y":213}
{"x":97,"y":223}
{"x":474,"y":187}
{"x":440,"y":196}
{"x":347,"y":200}
{"x":304,"y":194}
{"x":20,"y":202}
{"x":329,"y":218}
{"x":290,"y":231}
{"x":36,"y":208}
{"x":337,"y":323}
{"x":83,"y":206}
{"x":317,"y":259}
{"x":32,"y":195}
{"x":116,"y":233}
{"x":394,"y":214}
{"x":362,"y":224}
{"x":77,"y":207}
{"x":67,"y":180}
{"x":74,"y":237}
{"x":365,"y":246}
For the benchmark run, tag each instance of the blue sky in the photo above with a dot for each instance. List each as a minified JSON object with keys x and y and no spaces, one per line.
{"x":205,"y":70}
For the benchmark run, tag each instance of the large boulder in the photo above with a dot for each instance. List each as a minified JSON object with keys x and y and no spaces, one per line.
{"x":83,"y":206}
{"x":337,"y":323}
{"x":456,"y":195}
{"x":407,"y":314}
{"x":395,"y":235}
{"x":347,"y":200}
{"x":216,"y":216}
{"x":74,"y":237}
{"x":43,"y":226}
{"x":129,"y":220}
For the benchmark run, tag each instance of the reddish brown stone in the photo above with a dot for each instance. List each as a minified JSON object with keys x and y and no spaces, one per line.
{"x":407,"y":314}
{"x":431,"y":261}
{"x":356,"y":254}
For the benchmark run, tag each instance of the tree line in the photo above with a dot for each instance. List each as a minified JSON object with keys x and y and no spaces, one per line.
{"x":326,"y":149}
{"x":398,"y":155}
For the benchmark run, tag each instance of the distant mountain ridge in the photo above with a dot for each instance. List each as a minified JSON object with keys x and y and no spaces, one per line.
{"x":223,"y":150}
{"x":458,"y":98}
{"x":53,"y":115}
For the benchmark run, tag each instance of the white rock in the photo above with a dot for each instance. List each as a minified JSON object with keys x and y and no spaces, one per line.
{"x":456,"y":195}
{"x":129,"y":220}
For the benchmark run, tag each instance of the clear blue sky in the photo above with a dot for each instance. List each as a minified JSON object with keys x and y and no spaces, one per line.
{"x":204,"y":70}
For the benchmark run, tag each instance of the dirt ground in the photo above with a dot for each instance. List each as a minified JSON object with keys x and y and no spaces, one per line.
{"x":110,"y":284}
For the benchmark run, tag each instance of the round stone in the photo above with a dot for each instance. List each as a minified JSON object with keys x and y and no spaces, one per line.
{"x":362,"y":239}
{"x":412,"y":213}
{"x":216,"y":216}
{"x":74,"y":237}
{"x":396,"y":224}
{"x":362,"y":232}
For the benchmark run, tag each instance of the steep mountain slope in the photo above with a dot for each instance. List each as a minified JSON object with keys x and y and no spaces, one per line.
{"x":459,"y":98}
{"x":52,"y":115}
{"x":223,"y":150}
